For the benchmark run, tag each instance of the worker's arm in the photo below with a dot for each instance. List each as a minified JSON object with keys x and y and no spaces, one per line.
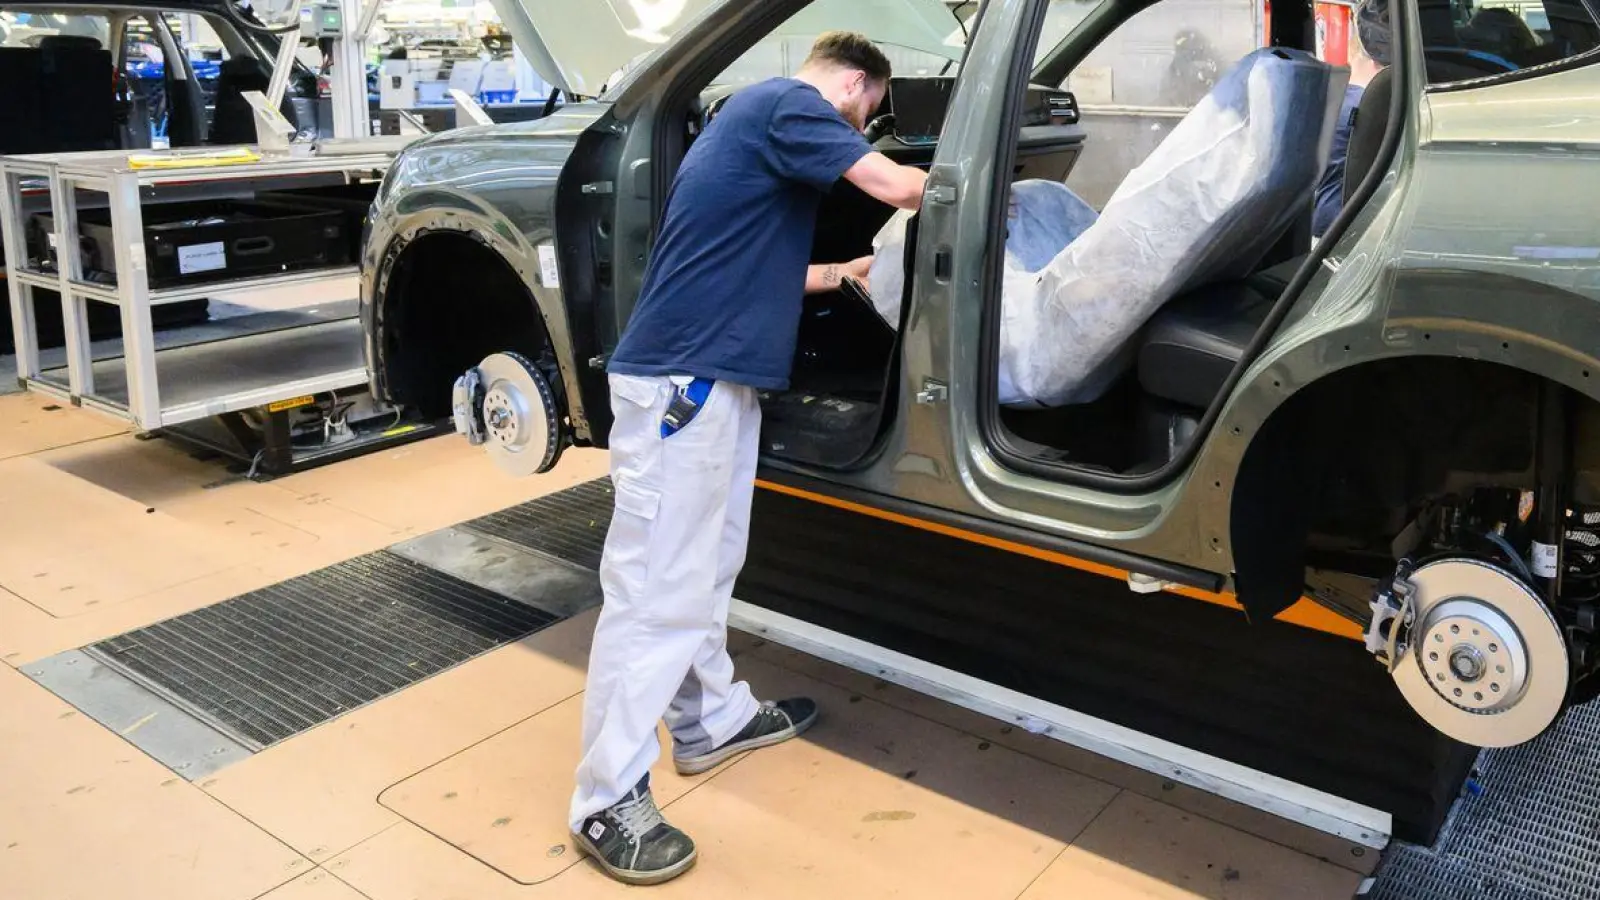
{"x":883,"y":178}
{"x":824,"y":278}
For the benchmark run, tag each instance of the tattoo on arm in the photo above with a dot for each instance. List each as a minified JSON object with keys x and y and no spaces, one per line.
{"x":830,"y":275}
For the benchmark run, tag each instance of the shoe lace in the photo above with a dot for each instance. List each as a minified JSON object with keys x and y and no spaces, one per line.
{"x":637,"y":815}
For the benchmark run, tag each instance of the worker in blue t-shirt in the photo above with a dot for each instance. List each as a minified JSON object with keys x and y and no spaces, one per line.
{"x":716,"y":321}
{"x":1369,"y":55}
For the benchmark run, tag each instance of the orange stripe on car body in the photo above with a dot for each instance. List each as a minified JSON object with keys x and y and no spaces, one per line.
{"x":1306,"y":613}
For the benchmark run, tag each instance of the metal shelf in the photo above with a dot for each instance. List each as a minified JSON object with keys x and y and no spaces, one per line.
{"x":241,"y":285}
{"x":97,"y":171}
{"x":35,"y":279}
{"x":154,"y":388}
{"x":49,"y":388}
{"x":107,"y":293}
{"x":217,"y":377}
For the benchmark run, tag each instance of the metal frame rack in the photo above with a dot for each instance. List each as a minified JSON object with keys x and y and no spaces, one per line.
{"x":255,"y":369}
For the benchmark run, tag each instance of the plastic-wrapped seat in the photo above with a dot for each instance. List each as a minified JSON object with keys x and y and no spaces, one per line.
{"x":1205,"y":207}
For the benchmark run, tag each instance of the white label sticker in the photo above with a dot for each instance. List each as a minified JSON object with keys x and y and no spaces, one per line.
{"x":202,"y":258}
{"x":547,"y":266}
{"x":595,"y":830}
{"x":1544,"y":560}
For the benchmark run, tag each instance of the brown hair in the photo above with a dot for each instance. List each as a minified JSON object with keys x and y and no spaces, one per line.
{"x":851,"y":50}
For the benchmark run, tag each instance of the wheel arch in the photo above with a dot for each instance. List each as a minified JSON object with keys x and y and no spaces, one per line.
{"x":1432,"y":399}
{"x":486,"y":293}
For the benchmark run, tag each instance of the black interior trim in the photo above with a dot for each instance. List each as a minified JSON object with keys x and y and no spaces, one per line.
{"x":1587,"y":58}
{"x":1117,"y":559}
{"x":993,"y":430}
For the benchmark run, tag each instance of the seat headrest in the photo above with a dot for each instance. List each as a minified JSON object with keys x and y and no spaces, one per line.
{"x":1366,"y":134}
{"x":69,"y":42}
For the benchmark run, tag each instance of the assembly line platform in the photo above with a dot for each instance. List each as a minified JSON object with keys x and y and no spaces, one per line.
{"x":363,"y":681}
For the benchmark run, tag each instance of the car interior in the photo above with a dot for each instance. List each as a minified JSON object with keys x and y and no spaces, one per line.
{"x":846,"y":356}
{"x":1181,"y":354}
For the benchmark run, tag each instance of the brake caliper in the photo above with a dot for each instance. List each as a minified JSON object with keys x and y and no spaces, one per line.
{"x":1393,"y":613}
{"x":466,"y":407}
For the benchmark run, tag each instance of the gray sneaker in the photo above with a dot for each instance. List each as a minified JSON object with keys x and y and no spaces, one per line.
{"x":633,"y":844}
{"x":774,"y":723}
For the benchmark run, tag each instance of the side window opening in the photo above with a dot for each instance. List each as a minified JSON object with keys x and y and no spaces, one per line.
{"x":1131,"y":290}
{"x":1465,"y":40}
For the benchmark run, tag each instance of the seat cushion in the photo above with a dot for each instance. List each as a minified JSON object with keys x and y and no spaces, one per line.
{"x":1193,"y":343}
{"x":1275,"y":280}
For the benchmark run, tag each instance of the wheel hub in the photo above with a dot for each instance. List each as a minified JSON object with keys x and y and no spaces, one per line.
{"x":508,"y":405}
{"x":1472,"y":656}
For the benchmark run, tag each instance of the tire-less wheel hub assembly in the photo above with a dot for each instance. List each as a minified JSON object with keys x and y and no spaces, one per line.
{"x":1474,"y":651}
{"x":509,"y":405}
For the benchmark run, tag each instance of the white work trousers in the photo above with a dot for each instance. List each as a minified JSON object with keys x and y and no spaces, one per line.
{"x":676,"y":544}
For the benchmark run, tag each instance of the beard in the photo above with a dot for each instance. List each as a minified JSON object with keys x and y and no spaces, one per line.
{"x":856,"y":111}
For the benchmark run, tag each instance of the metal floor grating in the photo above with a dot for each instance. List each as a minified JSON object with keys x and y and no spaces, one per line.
{"x":269,"y":664}
{"x":569,"y":525}
{"x":1532,"y":832}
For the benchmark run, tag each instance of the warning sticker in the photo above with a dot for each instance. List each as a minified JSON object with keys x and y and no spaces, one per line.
{"x":548,"y":273}
{"x":294,"y":403}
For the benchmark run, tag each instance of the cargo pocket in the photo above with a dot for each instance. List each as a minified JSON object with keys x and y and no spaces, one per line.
{"x":627,"y":553}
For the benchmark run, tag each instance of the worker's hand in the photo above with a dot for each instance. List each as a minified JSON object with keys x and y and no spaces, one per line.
{"x":858,"y":269}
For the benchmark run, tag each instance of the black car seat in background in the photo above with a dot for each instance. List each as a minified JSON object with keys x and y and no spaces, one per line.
{"x":79,"y":94}
{"x":20,"y":69}
{"x":186,"y":105}
{"x":58,"y":98}
{"x":1192,"y":346}
{"x":232,"y":120}
{"x":1366,"y":132}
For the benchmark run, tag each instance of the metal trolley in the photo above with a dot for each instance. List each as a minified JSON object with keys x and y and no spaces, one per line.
{"x":181,"y":389}
{"x":152,"y":388}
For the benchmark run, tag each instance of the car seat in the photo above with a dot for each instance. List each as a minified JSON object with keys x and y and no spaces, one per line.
{"x":233,"y":121}
{"x":1193,"y":344}
{"x":1217,"y":194}
{"x":58,"y":98}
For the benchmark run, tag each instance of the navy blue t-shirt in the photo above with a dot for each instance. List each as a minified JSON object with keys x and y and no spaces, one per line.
{"x":723,"y":292}
{"x":1330,"y":189}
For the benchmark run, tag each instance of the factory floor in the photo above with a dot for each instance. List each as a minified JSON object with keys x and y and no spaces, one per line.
{"x":456,"y":786}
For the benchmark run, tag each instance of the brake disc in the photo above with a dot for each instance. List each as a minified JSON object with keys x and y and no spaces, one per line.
{"x":1486,"y":663}
{"x":512,"y":409}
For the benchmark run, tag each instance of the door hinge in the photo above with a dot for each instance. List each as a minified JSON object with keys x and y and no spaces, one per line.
{"x":933,"y":392}
{"x":600,"y":187}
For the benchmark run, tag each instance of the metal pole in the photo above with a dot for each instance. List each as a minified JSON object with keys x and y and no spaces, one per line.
{"x":69,"y":267}
{"x":24,"y":337}
{"x":283,"y":66}
{"x":352,"y":117}
{"x":133,"y":292}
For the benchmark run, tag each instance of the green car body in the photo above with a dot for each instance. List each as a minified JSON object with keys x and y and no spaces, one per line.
{"x":1408,"y":361}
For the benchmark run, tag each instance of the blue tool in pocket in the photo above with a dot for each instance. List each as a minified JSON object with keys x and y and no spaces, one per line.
{"x":687,"y":401}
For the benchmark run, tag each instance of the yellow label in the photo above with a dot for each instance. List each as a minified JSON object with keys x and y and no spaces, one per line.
{"x":296,"y":403}
{"x":403,"y":429}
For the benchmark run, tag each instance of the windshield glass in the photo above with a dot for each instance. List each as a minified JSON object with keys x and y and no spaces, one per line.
{"x":27,"y":29}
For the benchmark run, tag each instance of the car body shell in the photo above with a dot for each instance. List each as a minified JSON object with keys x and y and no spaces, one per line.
{"x":1478,"y":242}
